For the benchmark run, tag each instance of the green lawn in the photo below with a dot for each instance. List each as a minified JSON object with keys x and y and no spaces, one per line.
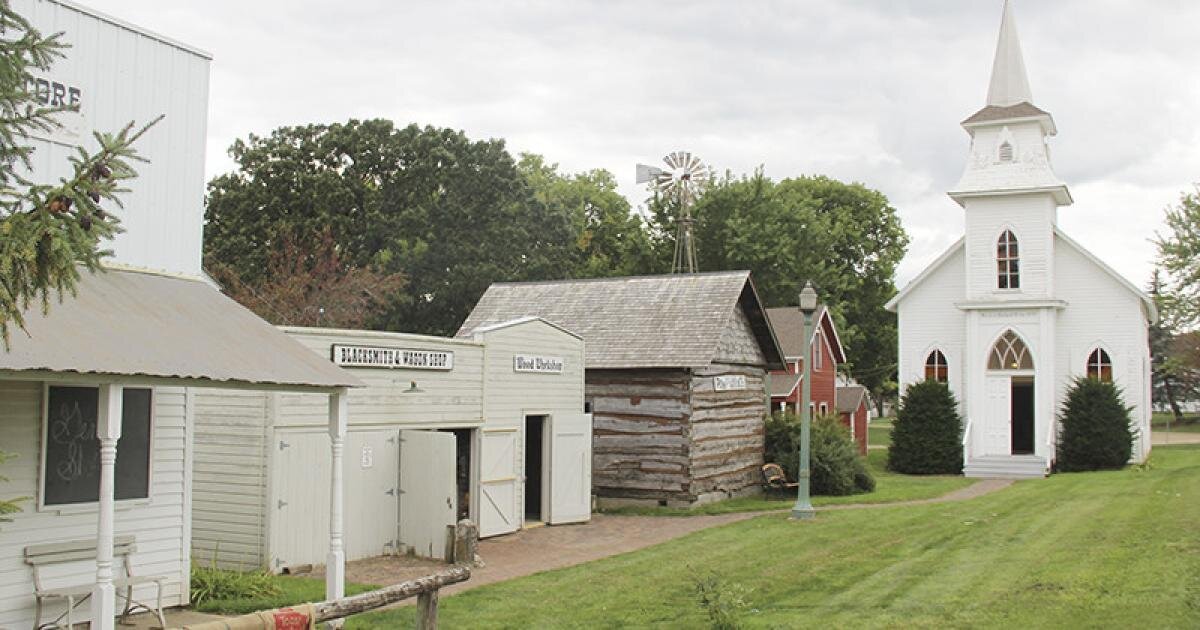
{"x":1113,"y":549}
{"x":1191,"y":423}
{"x":879,"y":432}
{"x":889,"y":488}
{"x":293,"y":590}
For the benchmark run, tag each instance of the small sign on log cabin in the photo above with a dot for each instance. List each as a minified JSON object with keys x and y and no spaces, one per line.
{"x":548,"y":365}
{"x":729,"y":383}
{"x":374,"y":356}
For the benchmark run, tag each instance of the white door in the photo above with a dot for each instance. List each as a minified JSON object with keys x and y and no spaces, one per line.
{"x":427,"y":491}
{"x":570,"y":468}
{"x":997,"y":428}
{"x":369,"y":512}
{"x":299,"y":502}
{"x":498,"y":476}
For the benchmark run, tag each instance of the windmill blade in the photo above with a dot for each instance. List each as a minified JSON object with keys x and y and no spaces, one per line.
{"x":646,"y":173}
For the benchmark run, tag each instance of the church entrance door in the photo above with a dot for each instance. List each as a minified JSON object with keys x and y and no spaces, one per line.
{"x":1021,"y":415}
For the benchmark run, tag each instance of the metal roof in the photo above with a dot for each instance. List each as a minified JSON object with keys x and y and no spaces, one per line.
{"x":134,"y":323}
{"x":636,"y":322}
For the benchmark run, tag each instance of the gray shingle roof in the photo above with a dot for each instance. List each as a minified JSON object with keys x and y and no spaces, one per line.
{"x":787,"y":321}
{"x":996,"y":112}
{"x":636,"y":322}
{"x":849,"y":398}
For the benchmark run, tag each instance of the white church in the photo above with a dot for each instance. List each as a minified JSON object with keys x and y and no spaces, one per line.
{"x":1015,"y":310}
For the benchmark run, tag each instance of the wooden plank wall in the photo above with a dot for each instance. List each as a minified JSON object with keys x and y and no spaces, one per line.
{"x":641,"y":434}
{"x":727,"y":433}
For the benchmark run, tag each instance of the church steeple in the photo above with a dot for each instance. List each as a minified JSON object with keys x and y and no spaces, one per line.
{"x":1009,"y":85}
{"x":1009,"y":154}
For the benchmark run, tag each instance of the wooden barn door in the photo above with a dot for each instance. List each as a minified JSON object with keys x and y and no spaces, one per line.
{"x":571,"y":468}
{"x":428,"y":492}
{"x":498,"y":478}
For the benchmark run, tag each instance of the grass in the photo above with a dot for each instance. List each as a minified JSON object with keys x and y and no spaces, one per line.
{"x":1190,"y":424}
{"x":1111,"y":549}
{"x":879,"y":432}
{"x":889,"y":488}
{"x":291,"y":591}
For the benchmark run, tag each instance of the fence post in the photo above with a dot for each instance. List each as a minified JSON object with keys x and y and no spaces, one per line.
{"x":427,"y":608}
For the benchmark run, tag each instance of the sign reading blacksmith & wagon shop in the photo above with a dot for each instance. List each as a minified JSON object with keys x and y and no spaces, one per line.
{"x":381,"y":357}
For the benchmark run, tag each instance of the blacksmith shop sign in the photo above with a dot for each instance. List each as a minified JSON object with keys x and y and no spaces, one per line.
{"x":729,"y":383}
{"x":546,"y":365}
{"x":401,"y":358}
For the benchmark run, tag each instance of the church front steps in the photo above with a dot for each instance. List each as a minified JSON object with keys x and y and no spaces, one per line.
{"x":1006,"y":467}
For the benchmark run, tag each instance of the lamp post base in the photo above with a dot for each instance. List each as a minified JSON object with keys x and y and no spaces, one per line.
{"x":802,"y":513}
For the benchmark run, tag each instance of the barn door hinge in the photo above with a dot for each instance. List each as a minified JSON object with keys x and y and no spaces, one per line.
{"x":283,"y":445}
{"x":281,"y":504}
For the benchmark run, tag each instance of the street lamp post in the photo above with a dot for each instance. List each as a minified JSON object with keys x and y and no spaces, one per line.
{"x":808,"y":305}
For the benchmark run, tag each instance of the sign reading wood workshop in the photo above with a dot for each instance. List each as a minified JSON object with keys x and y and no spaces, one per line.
{"x":379,"y":357}
{"x":729,"y":383}
{"x":546,"y":365}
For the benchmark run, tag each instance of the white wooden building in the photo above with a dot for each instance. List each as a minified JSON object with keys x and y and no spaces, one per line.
{"x":98,"y":398}
{"x":489,"y":428}
{"x":1015,"y":310}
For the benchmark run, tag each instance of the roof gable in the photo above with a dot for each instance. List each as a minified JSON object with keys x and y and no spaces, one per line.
{"x":787,"y":321}
{"x":632,"y":322}
{"x":924,"y":275}
{"x":1147,"y":301}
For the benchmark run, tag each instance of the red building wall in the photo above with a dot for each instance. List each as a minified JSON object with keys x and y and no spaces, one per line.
{"x":859,"y":430}
{"x":824,"y":380}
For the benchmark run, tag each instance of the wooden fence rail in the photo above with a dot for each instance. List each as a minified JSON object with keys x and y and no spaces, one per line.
{"x":424,"y":588}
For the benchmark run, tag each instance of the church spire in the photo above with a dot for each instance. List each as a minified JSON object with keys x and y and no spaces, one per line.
{"x":1009,"y":85}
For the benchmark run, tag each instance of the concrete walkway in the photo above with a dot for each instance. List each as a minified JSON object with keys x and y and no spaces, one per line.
{"x":540,"y":549}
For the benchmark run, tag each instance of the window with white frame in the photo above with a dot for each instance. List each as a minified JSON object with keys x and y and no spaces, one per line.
{"x":1010,"y":353}
{"x":818,"y":362}
{"x":936,"y":368}
{"x":824,"y":408}
{"x":1099,"y":366}
{"x":1008,"y":262}
{"x":71,"y":450}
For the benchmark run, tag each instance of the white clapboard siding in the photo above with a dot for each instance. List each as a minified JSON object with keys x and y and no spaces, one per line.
{"x":124,"y":75}
{"x":229,"y":478}
{"x":447,"y":397}
{"x":511,"y":395}
{"x":158,"y":524}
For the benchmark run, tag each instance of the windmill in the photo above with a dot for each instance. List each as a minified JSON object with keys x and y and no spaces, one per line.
{"x":685,"y":178}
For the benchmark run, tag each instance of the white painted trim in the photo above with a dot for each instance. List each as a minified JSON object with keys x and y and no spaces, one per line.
{"x":374,"y":334}
{"x":1148,"y":302}
{"x":189,"y":451}
{"x":104,"y":17}
{"x":522,"y":320}
{"x":95,"y":379}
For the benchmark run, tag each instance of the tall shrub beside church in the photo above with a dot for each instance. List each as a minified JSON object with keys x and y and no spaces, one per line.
{"x":1096,"y":430}
{"x":927,"y":436}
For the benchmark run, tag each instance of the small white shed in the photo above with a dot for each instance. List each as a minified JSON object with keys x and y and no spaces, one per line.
{"x":489,"y":428}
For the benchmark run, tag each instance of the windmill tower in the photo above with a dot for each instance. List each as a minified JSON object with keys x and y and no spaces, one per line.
{"x":685,"y":179}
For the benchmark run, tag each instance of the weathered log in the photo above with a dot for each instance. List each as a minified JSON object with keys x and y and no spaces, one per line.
{"x":427,"y":605}
{"x":353,"y":605}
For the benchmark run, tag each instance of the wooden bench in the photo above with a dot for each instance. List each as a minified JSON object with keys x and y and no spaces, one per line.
{"x":43,"y":556}
{"x":774,"y":479}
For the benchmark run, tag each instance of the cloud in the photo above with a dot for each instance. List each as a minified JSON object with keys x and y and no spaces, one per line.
{"x":862,"y":90}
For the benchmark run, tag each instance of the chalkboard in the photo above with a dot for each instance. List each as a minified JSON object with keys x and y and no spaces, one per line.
{"x":72,"y":469}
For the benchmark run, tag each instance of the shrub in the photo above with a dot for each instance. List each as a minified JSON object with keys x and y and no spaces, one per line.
{"x":213,"y":583}
{"x":724,"y":603}
{"x":927,"y":433}
{"x":835,"y":466}
{"x":1095,"y":428}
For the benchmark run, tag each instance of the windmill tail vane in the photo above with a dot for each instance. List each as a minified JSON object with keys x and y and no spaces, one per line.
{"x":685,"y":178}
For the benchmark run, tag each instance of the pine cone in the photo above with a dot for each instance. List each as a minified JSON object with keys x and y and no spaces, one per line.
{"x":85,"y":222}
{"x":57,"y":206}
{"x":101,"y":171}
{"x":95,"y":195}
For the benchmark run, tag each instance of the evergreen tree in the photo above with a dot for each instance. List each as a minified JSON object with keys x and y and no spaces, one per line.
{"x":927,"y":436}
{"x":48,"y":231}
{"x":1095,"y":429}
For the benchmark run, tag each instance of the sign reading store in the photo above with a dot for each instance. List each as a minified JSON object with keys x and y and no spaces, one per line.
{"x":546,"y":365}
{"x":398,"y":358}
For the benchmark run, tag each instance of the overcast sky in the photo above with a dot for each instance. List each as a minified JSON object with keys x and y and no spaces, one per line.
{"x":860,"y":90}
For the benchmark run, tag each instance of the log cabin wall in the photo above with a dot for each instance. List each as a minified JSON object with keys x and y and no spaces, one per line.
{"x":641,"y":434}
{"x":727,"y":433}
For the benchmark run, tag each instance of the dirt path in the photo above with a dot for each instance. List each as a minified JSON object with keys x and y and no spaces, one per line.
{"x":545,"y":548}
{"x":1162,"y":438}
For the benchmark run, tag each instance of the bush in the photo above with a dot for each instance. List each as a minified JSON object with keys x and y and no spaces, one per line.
{"x":1095,"y":428}
{"x":927,"y":433}
{"x":835,"y":466}
{"x":722,"y":602}
{"x":213,"y":583}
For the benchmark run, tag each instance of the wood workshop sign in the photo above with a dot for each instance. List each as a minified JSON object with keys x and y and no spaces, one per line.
{"x":546,"y":365}
{"x":729,"y":383}
{"x":400,"y":358}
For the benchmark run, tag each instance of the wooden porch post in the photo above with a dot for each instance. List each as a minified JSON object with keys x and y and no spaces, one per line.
{"x":108,"y":430}
{"x":335,"y":562}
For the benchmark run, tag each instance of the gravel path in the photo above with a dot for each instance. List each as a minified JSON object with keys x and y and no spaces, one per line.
{"x":1162,"y":438}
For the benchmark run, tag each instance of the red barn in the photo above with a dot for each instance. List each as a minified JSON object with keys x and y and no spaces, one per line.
{"x":852,"y":404}
{"x":827,"y":353}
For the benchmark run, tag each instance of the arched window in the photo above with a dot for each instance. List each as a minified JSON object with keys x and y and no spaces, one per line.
{"x":1006,"y":152}
{"x":1008,"y":261}
{"x":1010,"y":353}
{"x":936,"y":368}
{"x":1099,"y":366}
